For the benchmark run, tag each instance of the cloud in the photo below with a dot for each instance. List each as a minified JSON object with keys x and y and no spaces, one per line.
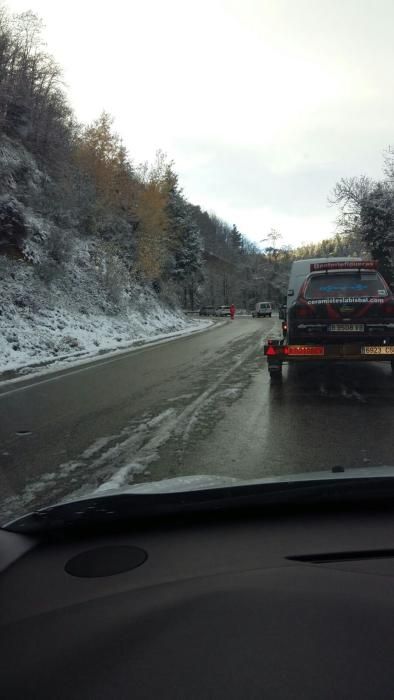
{"x":263,"y":105}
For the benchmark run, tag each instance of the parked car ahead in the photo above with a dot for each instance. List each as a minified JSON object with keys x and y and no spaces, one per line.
{"x":223,"y":311}
{"x":207,"y":311}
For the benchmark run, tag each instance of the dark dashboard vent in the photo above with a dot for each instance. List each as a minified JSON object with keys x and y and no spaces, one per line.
{"x":356,"y":555}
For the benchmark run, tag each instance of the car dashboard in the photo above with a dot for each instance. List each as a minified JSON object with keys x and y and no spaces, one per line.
{"x":276,"y":605}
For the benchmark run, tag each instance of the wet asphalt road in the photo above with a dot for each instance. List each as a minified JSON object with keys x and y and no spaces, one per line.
{"x":197,"y":405}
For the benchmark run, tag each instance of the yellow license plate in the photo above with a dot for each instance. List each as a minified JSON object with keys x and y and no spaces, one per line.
{"x":378,"y":350}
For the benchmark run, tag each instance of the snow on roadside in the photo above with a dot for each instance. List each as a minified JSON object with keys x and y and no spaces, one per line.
{"x":79,"y":359}
{"x":66,"y":323}
{"x":34,"y":360}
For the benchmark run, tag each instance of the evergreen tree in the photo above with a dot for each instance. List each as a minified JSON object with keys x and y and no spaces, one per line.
{"x":236,"y":240}
{"x":186,"y":242}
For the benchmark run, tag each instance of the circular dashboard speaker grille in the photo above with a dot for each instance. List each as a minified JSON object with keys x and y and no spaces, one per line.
{"x":105,"y":561}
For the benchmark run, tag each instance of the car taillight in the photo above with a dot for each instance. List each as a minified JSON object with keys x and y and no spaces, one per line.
{"x":389,"y":308}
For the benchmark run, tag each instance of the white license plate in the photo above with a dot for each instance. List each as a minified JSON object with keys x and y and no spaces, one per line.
{"x":347,"y":327}
{"x":378,"y":350}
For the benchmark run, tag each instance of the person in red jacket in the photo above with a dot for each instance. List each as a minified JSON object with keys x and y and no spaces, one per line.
{"x":232,"y":311}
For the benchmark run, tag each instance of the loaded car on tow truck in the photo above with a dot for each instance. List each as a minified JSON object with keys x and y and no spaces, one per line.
{"x":343,"y":310}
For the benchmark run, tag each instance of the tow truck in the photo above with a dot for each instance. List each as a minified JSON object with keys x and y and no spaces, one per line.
{"x":343,"y":311}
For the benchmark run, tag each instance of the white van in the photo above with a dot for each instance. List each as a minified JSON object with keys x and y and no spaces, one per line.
{"x":262,"y":308}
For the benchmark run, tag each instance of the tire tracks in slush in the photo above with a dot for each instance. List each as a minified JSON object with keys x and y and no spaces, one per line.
{"x":119,"y":460}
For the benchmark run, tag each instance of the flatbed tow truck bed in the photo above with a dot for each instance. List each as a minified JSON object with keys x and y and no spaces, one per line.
{"x":342,"y":310}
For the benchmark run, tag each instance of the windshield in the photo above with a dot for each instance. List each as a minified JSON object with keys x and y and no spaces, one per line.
{"x":345,"y":285}
{"x":164,"y":167}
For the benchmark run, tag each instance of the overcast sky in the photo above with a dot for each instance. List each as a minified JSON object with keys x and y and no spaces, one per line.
{"x":262,"y":104}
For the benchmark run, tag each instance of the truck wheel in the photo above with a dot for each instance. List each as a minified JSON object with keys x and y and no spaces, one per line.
{"x":270,"y":315}
{"x":275,"y":373}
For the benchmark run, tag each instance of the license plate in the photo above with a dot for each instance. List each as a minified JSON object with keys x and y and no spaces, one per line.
{"x":347,"y":327}
{"x":378,"y":350}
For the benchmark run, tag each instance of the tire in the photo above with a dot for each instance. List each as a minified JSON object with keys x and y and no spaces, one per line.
{"x":275,"y":374}
{"x":270,"y":315}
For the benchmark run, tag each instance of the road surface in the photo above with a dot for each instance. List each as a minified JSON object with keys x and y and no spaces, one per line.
{"x":202,"y":404}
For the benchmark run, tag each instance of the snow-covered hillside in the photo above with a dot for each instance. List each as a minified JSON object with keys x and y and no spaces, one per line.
{"x":72,"y":318}
{"x":63,"y":294}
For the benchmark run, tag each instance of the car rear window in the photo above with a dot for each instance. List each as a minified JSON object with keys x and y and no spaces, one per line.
{"x":345,"y":284}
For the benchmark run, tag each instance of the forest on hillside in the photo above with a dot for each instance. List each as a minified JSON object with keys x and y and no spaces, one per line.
{"x":62,"y":180}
